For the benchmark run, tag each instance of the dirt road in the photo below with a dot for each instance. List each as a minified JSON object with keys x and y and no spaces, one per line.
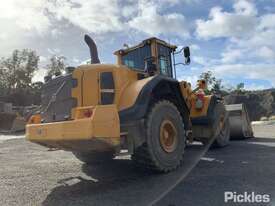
{"x":32,"y":175}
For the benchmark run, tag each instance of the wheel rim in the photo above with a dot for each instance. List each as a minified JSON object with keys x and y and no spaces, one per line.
{"x":168,"y":136}
{"x":221,"y":124}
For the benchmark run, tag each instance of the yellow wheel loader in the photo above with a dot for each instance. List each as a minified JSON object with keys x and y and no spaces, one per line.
{"x":137,"y":105}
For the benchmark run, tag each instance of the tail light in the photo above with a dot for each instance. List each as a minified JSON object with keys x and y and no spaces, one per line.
{"x":88,"y":113}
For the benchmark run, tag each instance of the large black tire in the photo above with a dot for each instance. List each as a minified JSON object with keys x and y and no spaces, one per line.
{"x":94,"y":158}
{"x":221,"y":126}
{"x":165,"y":139}
{"x":222,"y":132}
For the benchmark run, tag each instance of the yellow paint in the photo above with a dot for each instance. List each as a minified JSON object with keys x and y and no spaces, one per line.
{"x":186,"y":92}
{"x":190,"y":98}
{"x":131,"y":93}
{"x":199,"y":112}
{"x":127,"y":86}
{"x":80,"y":111}
{"x":103,"y":120}
{"x":98,"y":126}
{"x":35,"y":119}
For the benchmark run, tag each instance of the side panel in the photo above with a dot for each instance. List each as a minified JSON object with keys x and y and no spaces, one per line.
{"x":92,"y":90}
{"x":199,"y":112}
{"x":203,"y":120}
{"x":131,"y":93}
{"x":90,"y":87}
{"x":204,"y":116}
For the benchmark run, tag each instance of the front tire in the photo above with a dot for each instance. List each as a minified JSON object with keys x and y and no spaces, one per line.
{"x":222,"y":126}
{"x":165,"y":139}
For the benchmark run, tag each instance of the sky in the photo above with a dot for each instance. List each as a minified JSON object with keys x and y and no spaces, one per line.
{"x":232,"y":38}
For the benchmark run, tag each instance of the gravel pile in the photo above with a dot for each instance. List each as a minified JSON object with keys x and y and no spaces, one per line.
{"x":258,"y":103}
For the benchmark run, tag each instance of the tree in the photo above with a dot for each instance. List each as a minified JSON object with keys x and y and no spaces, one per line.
{"x":217,"y":85}
{"x":214,"y":84}
{"x":17,"y":71}
{"x":240,"y":87}
{"x":57,"y":65}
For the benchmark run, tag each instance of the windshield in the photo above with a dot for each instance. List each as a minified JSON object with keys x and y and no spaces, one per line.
{"x":136,"y":58}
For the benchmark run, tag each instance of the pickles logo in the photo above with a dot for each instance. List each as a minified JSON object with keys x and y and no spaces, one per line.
{"x":246,"y":197}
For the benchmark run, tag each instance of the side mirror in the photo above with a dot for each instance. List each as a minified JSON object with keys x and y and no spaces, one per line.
{"x":186,"y":52}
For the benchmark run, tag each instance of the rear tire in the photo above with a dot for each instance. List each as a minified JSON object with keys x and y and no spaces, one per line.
{"x":165,"y":139}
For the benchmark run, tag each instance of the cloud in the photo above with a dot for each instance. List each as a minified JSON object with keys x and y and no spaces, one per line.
{"x":247,"y":71}
{"x":266,"y":53}
{"x":150,"y":21}
{"x":254,"y":86}
{"x":39,"y":75}
{"x":249,"y":51}
{"x":245,"y":7}
{"x":194,"y":47}
{"x":239,"y":23}
{"x":189,"y":78}
{"x":26,"y":14}
{"x":143,"y":16}
{"x":93,"y":16}
{"x":21,"y":21}
{"x":231,"y":55}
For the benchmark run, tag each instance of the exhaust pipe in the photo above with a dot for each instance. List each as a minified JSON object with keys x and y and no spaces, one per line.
{"x":93,"y":49}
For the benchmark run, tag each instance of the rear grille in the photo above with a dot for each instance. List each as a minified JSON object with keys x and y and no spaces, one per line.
{"x":57,"y":102}
{"x":107,"y":88}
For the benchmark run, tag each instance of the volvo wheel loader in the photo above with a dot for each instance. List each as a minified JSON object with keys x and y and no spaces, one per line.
{"x":137,"y":105}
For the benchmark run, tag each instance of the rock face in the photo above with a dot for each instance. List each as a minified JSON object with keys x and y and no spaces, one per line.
{"x":258,"y":103}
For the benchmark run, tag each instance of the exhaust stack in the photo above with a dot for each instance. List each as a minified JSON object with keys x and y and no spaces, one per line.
{"x":93,"y":49}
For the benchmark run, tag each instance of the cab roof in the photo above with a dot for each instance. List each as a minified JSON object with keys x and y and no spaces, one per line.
{"x":146,"y":41}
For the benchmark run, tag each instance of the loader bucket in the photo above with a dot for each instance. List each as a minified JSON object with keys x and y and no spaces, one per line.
{"x":240,"y":125}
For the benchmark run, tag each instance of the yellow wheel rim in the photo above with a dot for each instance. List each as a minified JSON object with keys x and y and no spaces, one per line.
{"x":221,"y":123}
{"x":168,"y":136}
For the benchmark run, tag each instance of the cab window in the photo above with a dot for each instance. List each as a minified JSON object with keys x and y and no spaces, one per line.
{"x":163,"y":64}
{"x":135,"y":59}
{"x":164,"y":60}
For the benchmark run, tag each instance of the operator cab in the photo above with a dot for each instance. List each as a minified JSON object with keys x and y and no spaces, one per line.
{"x":152,"y":56}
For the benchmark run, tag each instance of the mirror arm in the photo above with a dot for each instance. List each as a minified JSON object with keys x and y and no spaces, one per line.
{"x":180,"y":51}
{"x":182,"y":64}
{"x":187,"y":60}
